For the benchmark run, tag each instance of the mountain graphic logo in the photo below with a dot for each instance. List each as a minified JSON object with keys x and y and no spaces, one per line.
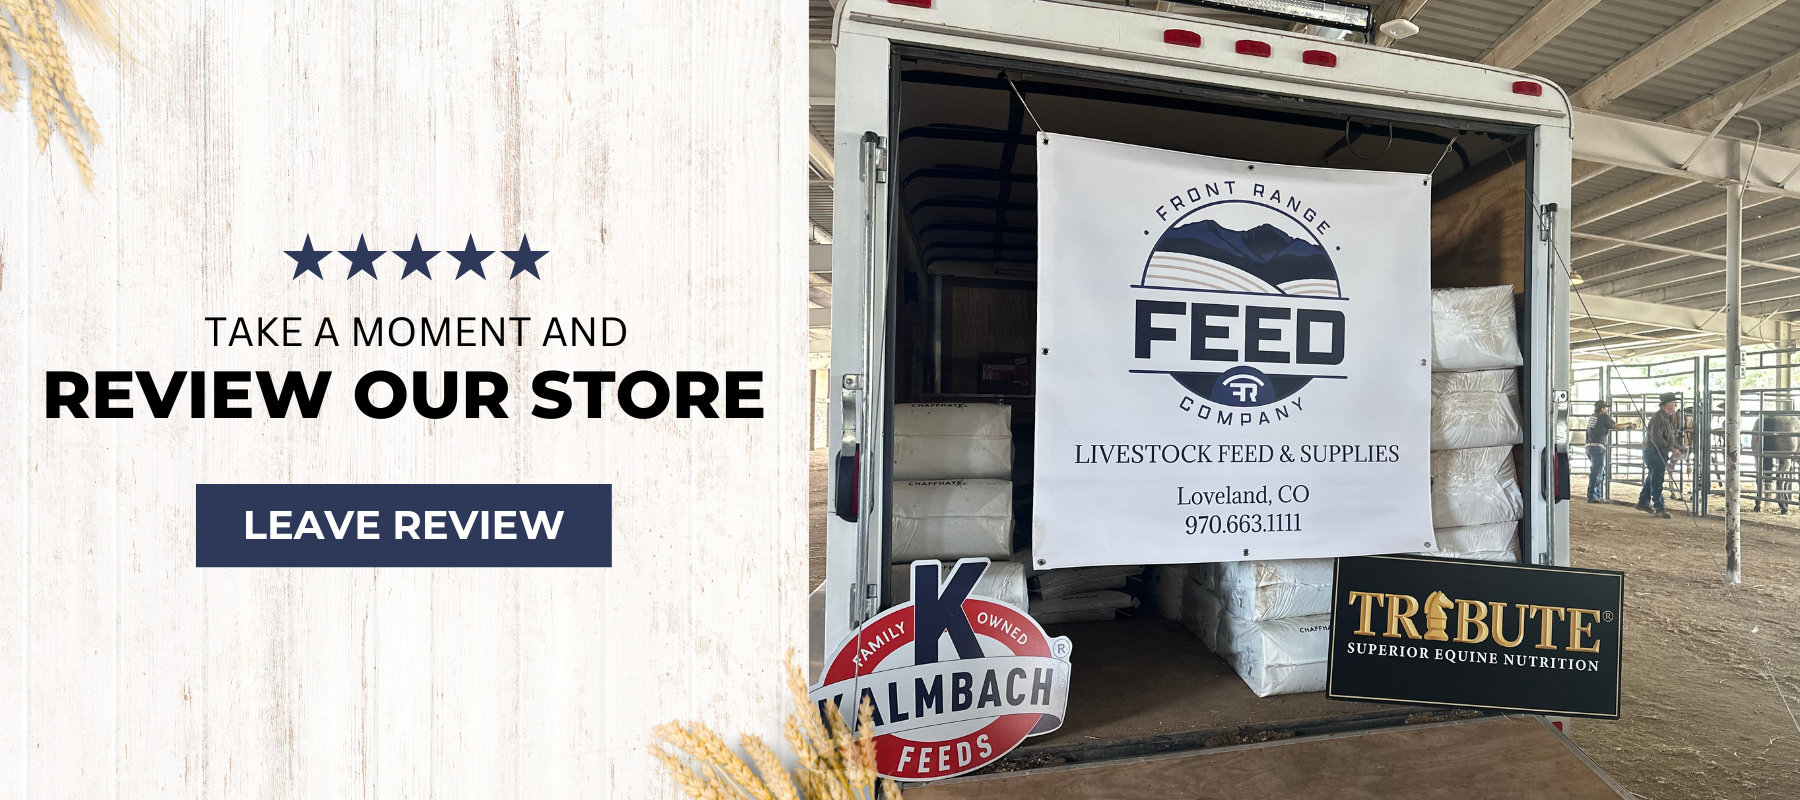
{"x":1199,"y":253}
{"x":1244,"y":247}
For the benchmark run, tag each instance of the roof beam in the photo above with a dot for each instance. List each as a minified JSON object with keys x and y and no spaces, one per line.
{"x":818,"y":156}
{"x":1772,"y":225}
{"x":1704,"y":283}
{"x":1583,"y":170}
{"x":1683,"y":152}
{"x":1535,"y":30}
{"x":1759,"y":287}
{"x":1692,"y":214}
{"x":1775,"y":79}
{"x":1607,"y":344}
{"x":1710,"y":24}
{"x":1642,"y":313}
{"x":1630,"y":197}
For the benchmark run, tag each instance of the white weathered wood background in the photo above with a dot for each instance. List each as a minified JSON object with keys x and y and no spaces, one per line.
{"x":654,"y":148}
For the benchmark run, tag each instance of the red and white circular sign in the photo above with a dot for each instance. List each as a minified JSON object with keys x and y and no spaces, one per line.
{"x":949,"y":709}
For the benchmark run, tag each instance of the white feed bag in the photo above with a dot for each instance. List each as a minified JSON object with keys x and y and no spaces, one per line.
{"x":1003,"y":581}
{"x":952,"y":440}
{"x":1474,"y":487}
{"x":1057,"y":583}
{"x":1475,"y":409}
{"x":1474,"y":329}
{"x":1259,"y":590}
{"x":1278,"y":656}
{"x":1167,"y":581}
{"x":948,"y":520}
{"x":1498,"y":541}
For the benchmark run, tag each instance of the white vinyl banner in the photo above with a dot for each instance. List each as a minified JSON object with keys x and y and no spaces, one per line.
{"x":1235,"y":359}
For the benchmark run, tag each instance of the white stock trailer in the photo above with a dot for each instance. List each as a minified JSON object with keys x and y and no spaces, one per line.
{"x":933,"y":272}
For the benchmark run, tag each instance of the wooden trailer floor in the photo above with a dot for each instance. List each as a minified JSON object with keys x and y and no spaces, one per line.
{"x":1486,"y":758}
{"x":1148,"y":681}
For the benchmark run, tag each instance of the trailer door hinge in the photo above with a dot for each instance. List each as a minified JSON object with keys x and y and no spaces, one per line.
{"x":1547,"y":222}
{"x":875,"y":157}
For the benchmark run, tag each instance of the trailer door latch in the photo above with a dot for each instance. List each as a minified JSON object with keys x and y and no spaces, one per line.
{"x":847,"y":471}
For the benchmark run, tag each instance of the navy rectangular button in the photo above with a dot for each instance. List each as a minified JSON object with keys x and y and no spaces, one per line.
{"x":403,"y":525}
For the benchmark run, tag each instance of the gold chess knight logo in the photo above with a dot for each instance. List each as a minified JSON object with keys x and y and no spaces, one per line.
{"x":1478,"y":621}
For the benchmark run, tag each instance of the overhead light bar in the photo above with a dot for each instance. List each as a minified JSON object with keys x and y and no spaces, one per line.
{"x":1347,"y":16}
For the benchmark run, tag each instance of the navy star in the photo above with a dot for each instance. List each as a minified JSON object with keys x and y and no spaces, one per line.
{"x":306,"y":259}
{"x":524,"y":260}
{"x":415,"y":259}
{"x":362,"y":259}
{"x":469,"y":259}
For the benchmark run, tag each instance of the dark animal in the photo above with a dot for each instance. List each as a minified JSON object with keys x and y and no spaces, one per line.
{"x":1778,"y":439}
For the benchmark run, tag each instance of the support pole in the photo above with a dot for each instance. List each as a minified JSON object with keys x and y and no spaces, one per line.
{"x":1611,"y":438}
{"x":1734,"y":365}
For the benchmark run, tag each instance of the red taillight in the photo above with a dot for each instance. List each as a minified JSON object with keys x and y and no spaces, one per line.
{"x":1252,"y":47}
{"x":1528,"y":88}
{"x":913,"y":3}
{"x":1319,"y":58}
{"x":1181,"y":37}
{"x":1558,"y":724}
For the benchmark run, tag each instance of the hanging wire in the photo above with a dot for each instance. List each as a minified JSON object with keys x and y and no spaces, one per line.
{"x":1447,"y":146}
{"x":1028,"y":111}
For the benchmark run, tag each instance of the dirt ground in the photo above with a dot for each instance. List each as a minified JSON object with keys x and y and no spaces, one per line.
{"x":1703,"y":716}
{"x":815,"y":517}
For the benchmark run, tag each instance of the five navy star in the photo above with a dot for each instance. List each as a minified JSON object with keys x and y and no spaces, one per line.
{"x":417,"y":259}
{"x":525,"y":259}
{"x":306,"y":259}
{"x":469,"y":259}
{"x":362,"y":259}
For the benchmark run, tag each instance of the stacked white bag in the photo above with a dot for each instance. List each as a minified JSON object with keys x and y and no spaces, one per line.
{"x":1270,"y":620}
{"x":1475,"y":497}
{"x":1003,"y":581}
{"x":1475,"y":409}
{"x":933,"y":441}
{"x":953,"y":493}
{"x":952,"y":519}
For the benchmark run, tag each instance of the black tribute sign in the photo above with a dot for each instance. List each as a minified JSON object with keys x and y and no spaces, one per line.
{"x":1473,"y":634}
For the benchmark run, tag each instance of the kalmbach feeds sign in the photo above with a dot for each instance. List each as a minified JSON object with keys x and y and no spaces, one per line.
{"x":1233,"y":359}
{"x":946,"y":712}
{"x":1512,"y":637}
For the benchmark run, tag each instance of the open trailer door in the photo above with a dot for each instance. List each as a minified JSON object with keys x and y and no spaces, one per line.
{"x":861,"y":411}
{"x":1485,"y":758}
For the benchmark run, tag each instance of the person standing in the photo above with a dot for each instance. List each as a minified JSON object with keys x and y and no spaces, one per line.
{"x":1599,"y":429}
{"x":1662,"y":443}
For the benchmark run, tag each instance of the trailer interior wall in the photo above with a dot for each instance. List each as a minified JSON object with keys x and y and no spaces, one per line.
{"x":963,"y":297}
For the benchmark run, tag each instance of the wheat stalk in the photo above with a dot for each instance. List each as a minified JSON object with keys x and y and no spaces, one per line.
{"x":833,"y":763}
{"x":11,"y":41}
{"x":29,"y":31}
